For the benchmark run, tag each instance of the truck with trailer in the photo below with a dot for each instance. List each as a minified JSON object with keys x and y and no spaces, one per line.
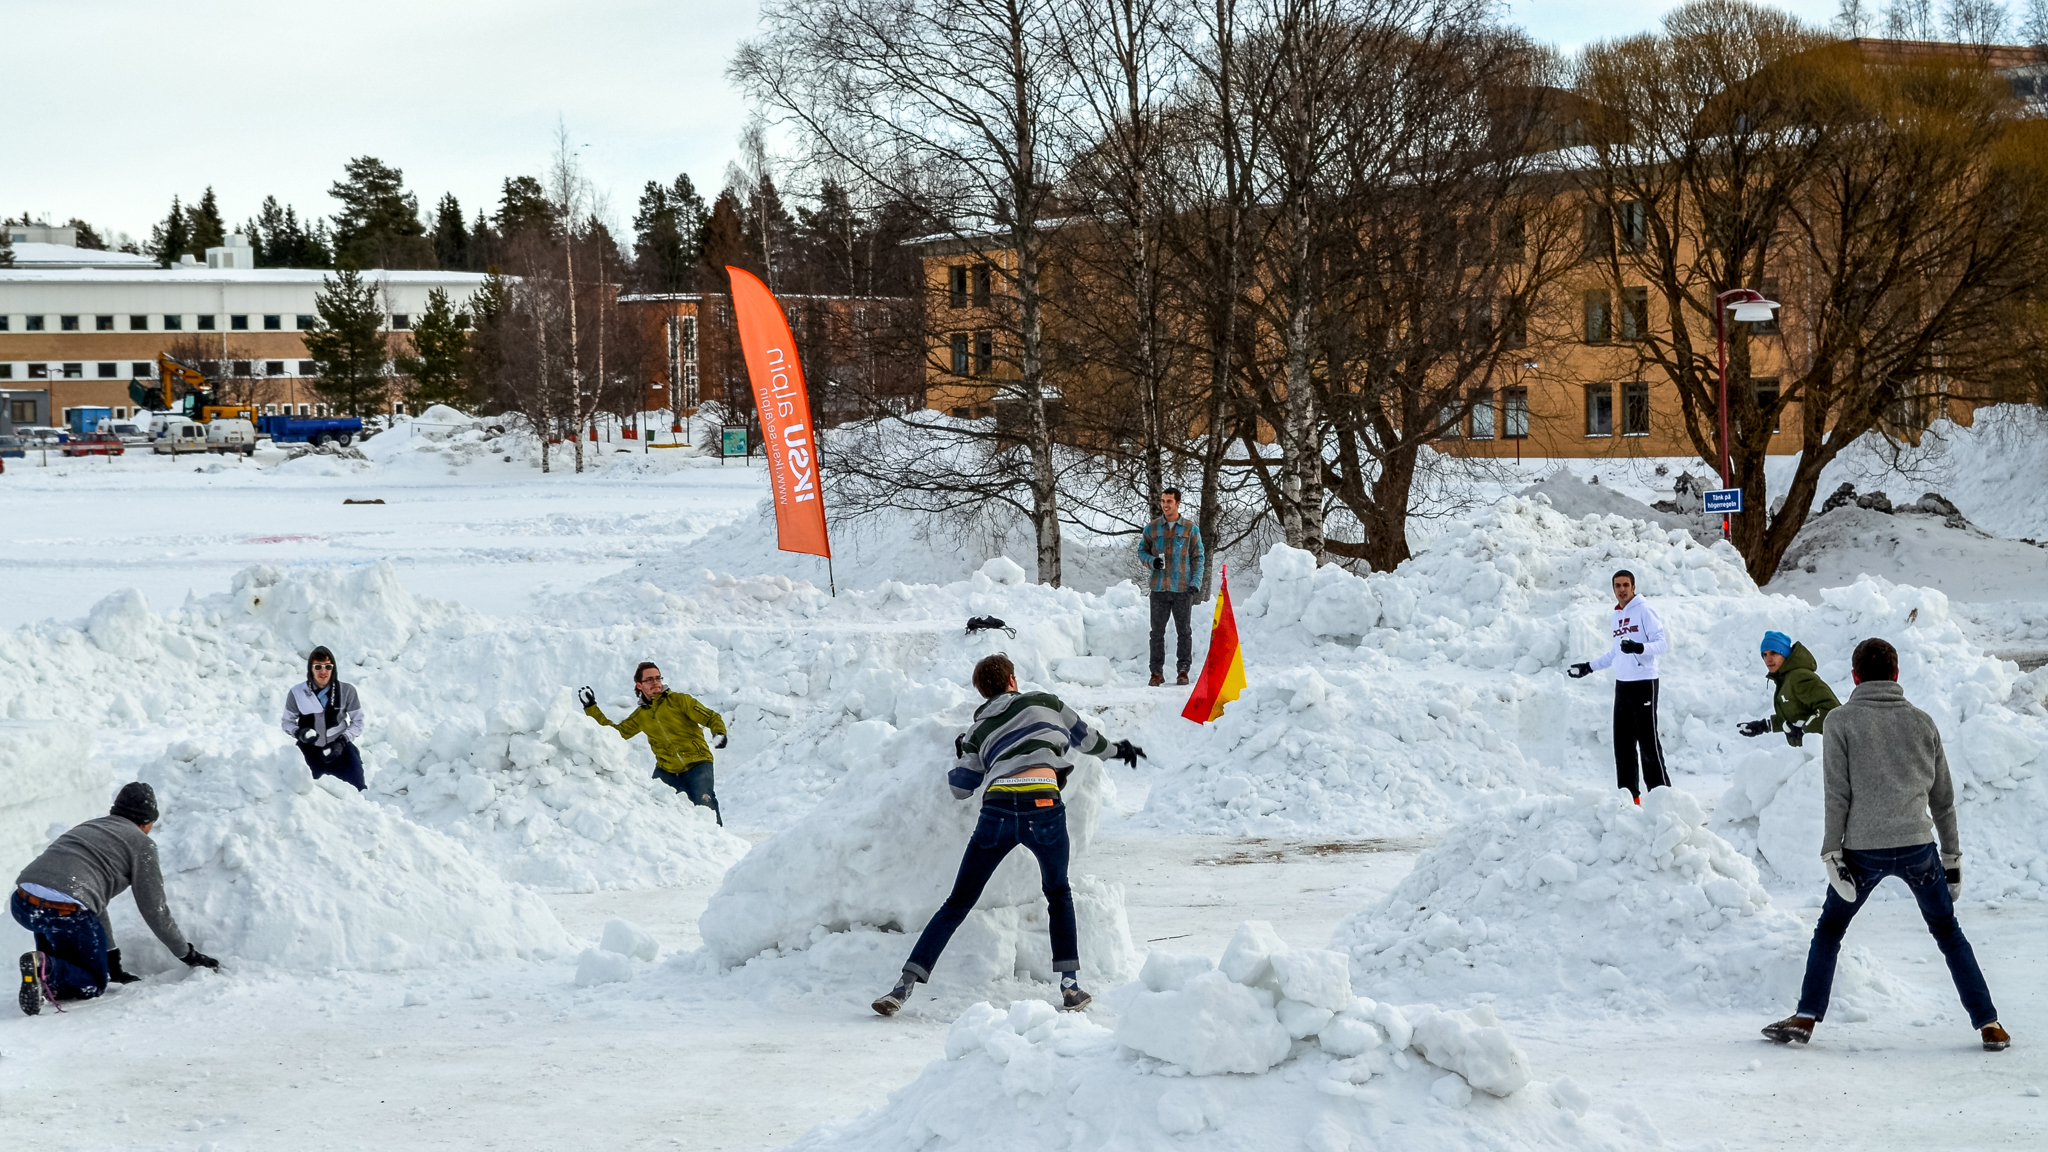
{"x":313,"y":430}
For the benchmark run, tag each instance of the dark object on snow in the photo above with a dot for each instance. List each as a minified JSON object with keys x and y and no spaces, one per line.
{"x":136,"y":803}
{"x":1846,"y":494}
{"x":362,"y":501}
{"x":985,"y":623}
{"x":1790,"y":1029}
{"x":1127,"y":752}
{"x":1753,"y":728}
{"x":115,"y":972}
{"x":1935,"y":503}
{"x":1995,"y":1039}
{"x":1876,"y":502}
{"x":194,"y":958}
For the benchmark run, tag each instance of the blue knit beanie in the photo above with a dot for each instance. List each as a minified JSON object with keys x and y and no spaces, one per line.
{"x":1778,"y":642}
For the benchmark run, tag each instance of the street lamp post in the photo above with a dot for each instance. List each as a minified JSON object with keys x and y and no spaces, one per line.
{"x":1749,"y":306}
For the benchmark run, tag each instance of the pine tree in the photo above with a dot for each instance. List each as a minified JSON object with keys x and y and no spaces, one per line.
{"x":88,"y":236}
{"x":347,"y":345}
{"x":831,"y":243}
{"x":6,"y":248}
{"x":172,"y":238}
{"x":208,"y":229}
{"x":668,"y":231}
{"x":379,"y":222}
{"x":451,"y":235}
{"x":770,"y":233}
{"x":483,"y":243}
{"x":438,"y":365}
{"x":724,"y":243}
{"x":524,"y":205}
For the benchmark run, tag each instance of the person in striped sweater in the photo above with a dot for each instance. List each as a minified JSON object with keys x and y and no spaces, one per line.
{"x":1022,"y":744}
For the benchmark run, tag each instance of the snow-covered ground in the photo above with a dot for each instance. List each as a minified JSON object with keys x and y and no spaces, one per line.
{"x":1387,"y":900}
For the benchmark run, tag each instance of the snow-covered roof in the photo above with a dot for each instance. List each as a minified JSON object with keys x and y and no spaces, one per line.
{"x":29,"y":254}
{"x":201,"y":274}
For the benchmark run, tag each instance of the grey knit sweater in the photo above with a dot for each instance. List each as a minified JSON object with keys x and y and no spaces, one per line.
{"x":99,"y":860}
{"x":1886,"y":774}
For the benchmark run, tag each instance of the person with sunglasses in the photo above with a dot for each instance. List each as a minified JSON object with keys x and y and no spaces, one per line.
{"x":674,"y":723}
{"x":325,"y":716}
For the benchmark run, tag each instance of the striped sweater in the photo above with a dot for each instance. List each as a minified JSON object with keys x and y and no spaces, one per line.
{"x":1020,"y":730}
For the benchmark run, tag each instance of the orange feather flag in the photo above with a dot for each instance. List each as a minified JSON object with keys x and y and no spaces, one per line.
{"x":788,"y":438}
{"x":1222,"y":678}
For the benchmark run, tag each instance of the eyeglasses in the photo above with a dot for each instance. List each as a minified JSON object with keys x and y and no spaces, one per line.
{"x":323,"y":667}
{"x":650,"y":680}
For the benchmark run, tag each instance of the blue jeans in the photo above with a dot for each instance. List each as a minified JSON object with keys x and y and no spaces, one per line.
{"x":694,"y":782}
{"x":346,"y":764}
{"x":76,"y":945}
{"x":1920,"y":867}
{"x":1006,"y":823}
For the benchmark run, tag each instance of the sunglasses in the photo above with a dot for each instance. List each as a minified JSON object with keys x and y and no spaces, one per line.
{"x":323,"y":667}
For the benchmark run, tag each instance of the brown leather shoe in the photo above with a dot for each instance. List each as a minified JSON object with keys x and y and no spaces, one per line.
{"x":1157,"y":680}
{"x":1995,"y":1039}
{"x":1790,"y":1029}
{"x":1182,"y":679}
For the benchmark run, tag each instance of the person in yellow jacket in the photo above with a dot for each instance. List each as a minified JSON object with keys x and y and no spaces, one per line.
{"x":674,"y":723}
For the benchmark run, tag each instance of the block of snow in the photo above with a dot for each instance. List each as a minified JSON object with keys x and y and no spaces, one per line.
{"x":1167,"y":971}
{"x":600,"y":966}
{"x":1089,"y":671}
{"x":1210,"y":1025}
{"x":1003,"y":570}
{"x":629,"y":939}
{"x":1474,"y":1045}
{"x":1315,"y":976}
{"x":1248,"y":957}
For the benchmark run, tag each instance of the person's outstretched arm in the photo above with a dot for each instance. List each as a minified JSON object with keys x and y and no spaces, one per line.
{"x":968,"y":771}
{"x":148,"y":880}
{"x":700,"y":715}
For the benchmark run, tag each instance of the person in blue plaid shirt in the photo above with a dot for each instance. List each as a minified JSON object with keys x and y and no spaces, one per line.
{"x":1172,"y":548}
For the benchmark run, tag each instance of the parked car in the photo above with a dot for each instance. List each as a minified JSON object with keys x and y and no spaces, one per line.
{"x":12,"y":446}
{"x":130,"y":433}
{"x":39,"y":435}
{"x":181,"y":436}
{"x":231,"y":436}
{"x":97,"y":444}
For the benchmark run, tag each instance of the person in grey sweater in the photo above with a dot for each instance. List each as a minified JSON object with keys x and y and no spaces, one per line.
{"x":1889,"y":797}
{"x":62,"y":897}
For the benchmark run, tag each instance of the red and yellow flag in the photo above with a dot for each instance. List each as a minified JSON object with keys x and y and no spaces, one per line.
{"x":1222,"y":676}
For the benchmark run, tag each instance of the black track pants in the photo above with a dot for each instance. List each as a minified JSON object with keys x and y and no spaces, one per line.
{"x":1635,"y":727}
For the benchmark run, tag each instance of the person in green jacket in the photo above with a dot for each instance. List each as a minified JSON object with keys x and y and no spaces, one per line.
{"x":1803,"y":699}
{"x":674,"y":723}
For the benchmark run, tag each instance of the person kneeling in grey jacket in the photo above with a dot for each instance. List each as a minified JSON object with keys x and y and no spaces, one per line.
{"x":62,"y":897}
{"x":1886,"y":774}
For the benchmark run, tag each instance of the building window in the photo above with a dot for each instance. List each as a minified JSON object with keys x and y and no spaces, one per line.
{"x":1450,"y":421}
{"x":1635,"y":314}
{"x":1515,"y":326}
{"x":398,"y":407}
{"x":273,"y":323}
{"x":7,"y":373}
{"x":109,"y":370}
{"x":305,"y":409}
{"x":1598,"y":310}
{"x":74,"y":371}
{"x":103,"y":323}
{"x":1598,"y":240}
{"x":241,"y":368}
{"x":239,"y":323}
{"x":22,"y":411}
{"x":138,"y":323}
{"x":4,"y":321}
{"x":1482,"y":414}
{"x":960,"y":361}
{"x":956,"y":287}
{"x":308,"y":323}
{"x":401,"y":322}
{"x":1514,"y":404}
{"x":1511,"y":238}
{"x":173,"y":323}
{"x":1635,"y":409}
{"x":273,"y":367}
{"x":1764,"y":389}
{"x":1599,"y":409}
{"x":305,"y":368}
{"x":35,"y":323}
{"x":1478,"y":323}
{"x":39,"y":371}
{"x":1634,"y":225}
{"x":984,"y":352}
{"x":982,"y":276}
{"x":141,"y":370}
{"x":67,"y":323}
{"x":206,"y":323}
{"x":270,"y":409}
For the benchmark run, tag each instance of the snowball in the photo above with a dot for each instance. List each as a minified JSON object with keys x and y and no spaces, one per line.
{"x":599,"y":966}
{"x":629,"y":939}
{"x":1003,"y":570}
{"x":1211,"y":1025}
{"x":1473,"y":1044}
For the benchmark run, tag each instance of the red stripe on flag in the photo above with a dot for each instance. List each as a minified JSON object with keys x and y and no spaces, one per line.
{"x":1205,"y":702}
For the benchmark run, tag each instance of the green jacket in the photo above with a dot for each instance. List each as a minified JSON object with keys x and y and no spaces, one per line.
{"x":1803,"y":697}
{"x":673,"y":724}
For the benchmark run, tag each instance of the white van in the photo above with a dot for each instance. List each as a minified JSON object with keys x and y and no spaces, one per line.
{"x":179,"y":436}
{"x":231,"y":436}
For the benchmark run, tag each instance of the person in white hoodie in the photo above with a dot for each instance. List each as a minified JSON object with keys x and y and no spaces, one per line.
{"x":1639,"y":638}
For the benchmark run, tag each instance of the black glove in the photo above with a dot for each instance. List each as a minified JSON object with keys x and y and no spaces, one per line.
{"x":307,"y":735}
{"x":1753,"y":727}
{"x":1795,"y":735}
{"x":1952,"y":871}
{"x":1631,"y":647}
{"x":114,"y":970}
{"x":1579,"y":671}
{"x":1159,"y":563}
{"x":721,"y":741}
{"x":1127,"y":752}
{"x":194,"y":958}
{"x":586,"y":697}
{"x":960,"y":746}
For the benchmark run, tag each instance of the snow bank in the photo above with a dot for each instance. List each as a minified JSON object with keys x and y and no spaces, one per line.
{"x":1577,"y":499}
{"x":1910,"y":546}
{"x":1593,"y":899}
{"x":880,"y":851}
{"x":1316,"y":1066}
{"x":264,"y":864}
{"x":46,"y":778}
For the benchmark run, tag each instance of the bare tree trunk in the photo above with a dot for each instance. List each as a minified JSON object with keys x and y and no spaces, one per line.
{"x":575,"y":360}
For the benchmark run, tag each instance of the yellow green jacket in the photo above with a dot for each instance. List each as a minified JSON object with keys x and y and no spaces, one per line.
{"x":674,"y":724}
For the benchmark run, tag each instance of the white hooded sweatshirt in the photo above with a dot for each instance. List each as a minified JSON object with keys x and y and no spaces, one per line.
{"x":1637,"y":621}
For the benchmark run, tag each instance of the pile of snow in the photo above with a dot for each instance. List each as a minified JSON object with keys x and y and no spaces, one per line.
{"x":880,"y":851}
{"x":1911,"y":544}
{"x":1576,"y":498}
{"x":1315,"y":1066}
{"x":47,"y":777}
{"x":1594,"y":899}
{"x":264,"y":864}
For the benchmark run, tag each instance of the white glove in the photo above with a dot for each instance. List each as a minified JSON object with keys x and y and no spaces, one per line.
{"x":1837,"y":868}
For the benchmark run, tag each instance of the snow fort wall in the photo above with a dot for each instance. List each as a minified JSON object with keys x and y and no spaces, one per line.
{"x":47,"y":778}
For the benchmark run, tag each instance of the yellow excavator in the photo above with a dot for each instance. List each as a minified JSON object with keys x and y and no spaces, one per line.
{"x":185,"y":381}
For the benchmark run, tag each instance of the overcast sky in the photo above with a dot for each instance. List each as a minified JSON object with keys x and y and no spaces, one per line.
{"x":116,"y":105}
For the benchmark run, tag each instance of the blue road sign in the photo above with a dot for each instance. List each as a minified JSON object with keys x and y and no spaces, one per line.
{"x":1724,"y":500}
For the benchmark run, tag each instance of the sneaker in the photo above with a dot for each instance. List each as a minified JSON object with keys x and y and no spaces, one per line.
{"x":1995,"y":1039}
{"x":1790,"y":1029}
{"x":1072,"y":999}
{"x":1156,"y":681}
{"x":30,"y":994}
{"x":897,"y":997}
